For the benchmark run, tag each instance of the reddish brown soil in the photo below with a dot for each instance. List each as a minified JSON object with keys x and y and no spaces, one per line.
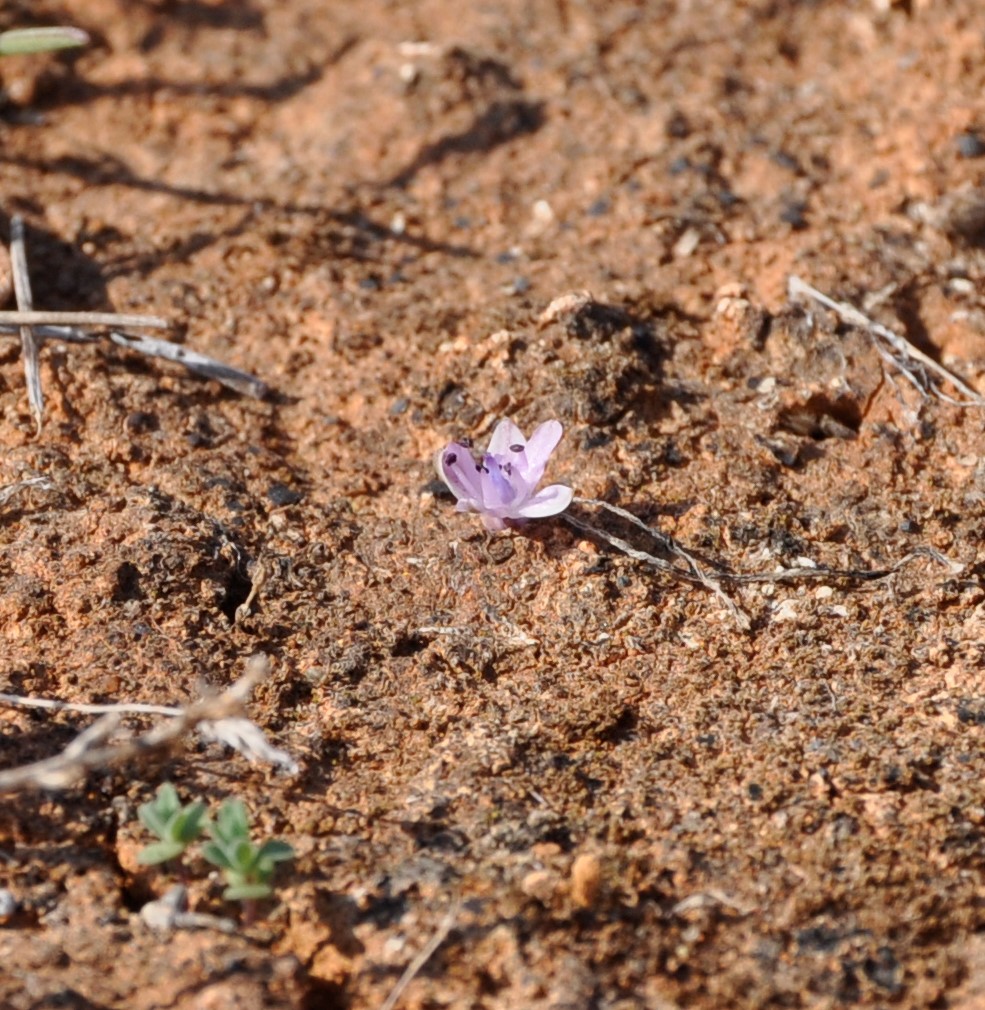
{"x":634,"y":803}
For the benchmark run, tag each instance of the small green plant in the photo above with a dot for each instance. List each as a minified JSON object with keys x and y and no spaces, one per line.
{"x":247,"y":867}
{"x":19,"y":41}
{"x":176,"y":826}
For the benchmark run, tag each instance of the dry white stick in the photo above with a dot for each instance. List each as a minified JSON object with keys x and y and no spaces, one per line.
{"x":64,"y":333}
{"x":900,"y":345}
{"x":29,"y":343}
{"x":17,"y":701}
{"x":201,"y":364}
{"x":43,"y":318}
{"x":427,"y":952}
{"x":36,"y":327}
{"x":693,"y":574}
{"x":90,"y":749}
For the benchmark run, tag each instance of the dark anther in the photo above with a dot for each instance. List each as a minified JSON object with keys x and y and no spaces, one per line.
{"x":479,"y":468}
{"x":516,"y":448}
{"x":450,"y":459}
{"x":507,"y":468}
{"x":467,"y":442}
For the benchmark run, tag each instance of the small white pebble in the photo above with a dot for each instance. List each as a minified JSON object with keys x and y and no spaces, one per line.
{"x":543,"y":212}
{"x":687,"y":243}
{"x":8,"y":903}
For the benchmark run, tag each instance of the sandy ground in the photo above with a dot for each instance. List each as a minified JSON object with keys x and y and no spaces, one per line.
{"x":582,"y":781}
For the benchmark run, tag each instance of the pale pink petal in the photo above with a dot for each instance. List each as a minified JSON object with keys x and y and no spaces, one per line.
{"x":457,"y":469}
{"x":543,"y":442}
{"x":505,"y":435}
{"x":549,"y":502}
{"x":533,"y":459}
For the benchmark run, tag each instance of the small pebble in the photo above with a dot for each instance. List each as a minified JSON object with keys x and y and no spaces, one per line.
{"x":8,"y":904}
{"x":970,"y":144}
{"x":586,"y":879}
{"x":281,"y":494}
{"x":539,"y":885}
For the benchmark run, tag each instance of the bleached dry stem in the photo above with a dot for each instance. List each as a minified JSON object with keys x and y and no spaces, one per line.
{"x":35,"y":327}
{"x":425,"y":955}
{"x":696,"y":575}
{"x":30,"y":345}
{"x":893,"y":348}
{"x":41,"y":318}
{"x":217,"y":717}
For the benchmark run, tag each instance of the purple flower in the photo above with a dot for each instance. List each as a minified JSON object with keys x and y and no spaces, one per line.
{"x":503,"y":483}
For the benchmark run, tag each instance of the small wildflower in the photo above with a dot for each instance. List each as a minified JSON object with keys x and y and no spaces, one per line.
{"x":502,"y":483}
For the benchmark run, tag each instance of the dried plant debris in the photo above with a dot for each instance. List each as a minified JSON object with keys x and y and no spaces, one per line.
{"x":681,"y":565}
{"x":925,"y":374}
{"x":216,"y":718}
{"x":34,"y":328}
{"x":9,"y":490}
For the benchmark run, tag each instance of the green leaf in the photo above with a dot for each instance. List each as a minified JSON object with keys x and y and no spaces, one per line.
{"x":244,"y":856}
{"x":167,"y":802}
{"x":159,"y":852}
{"x":233,"y":822}
{"x":275,"y":851}
{"x":216,"y":854}
{"x":159,"y":814}
{"x":188,"y":824}
{"x":40,"y":40}
{"x":247,"y":892}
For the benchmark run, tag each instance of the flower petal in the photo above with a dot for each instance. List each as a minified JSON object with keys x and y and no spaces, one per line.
{"x":505,"y":435}
{"x":498,"y":484}
{"x":537,"y":452}
{"x":543,"y":442}
{"x":456,"y":468}
{"x":549,"y":502}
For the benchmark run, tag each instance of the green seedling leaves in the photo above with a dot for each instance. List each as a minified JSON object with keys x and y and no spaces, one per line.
{"x":19,"y":41}
{"x":247,"y":867}
{"x":175,"y":826}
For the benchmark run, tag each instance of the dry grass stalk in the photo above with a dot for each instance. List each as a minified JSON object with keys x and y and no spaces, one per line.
{"x":42,"y":318}
{"x":894,"y":349}
{"x":30,"y":345}
{"x":425,"y":955}
{"x":92,"y":750}
{"x":691,"y":572}
{"x":35,"y":327}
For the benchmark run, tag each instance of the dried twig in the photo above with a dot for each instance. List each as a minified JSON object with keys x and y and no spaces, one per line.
{"x":63,"y":333}
{"x":171,"y":912}
{"x":36,"y":327}
{"x":42,"y":318}
{"x":200,"y":364}
{"x":893,"y":348}
{"x":90,"y":748}
{"x":694,"y":574}
{"x":425,"y":955}
{"x":29,"y":343}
